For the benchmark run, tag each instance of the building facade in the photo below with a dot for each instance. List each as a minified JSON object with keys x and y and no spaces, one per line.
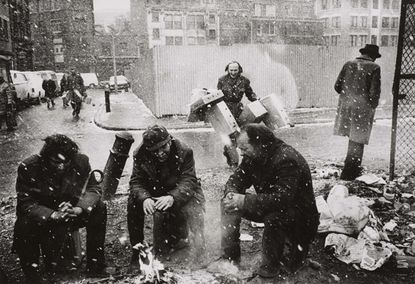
{"x":22,"y":44}
{"x":226,"y":22}
{"x":63,"y":35}
{"x":357,"y":22}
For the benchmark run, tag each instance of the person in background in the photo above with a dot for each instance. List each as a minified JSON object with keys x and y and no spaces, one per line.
{"x":7,"y":105}
{"x":55,"y":195}
{"x":164,"y":184}
{"x":50,"y":92}
{"x":76,"y":88}
{"x":358,"y":85}
{"x":284,"y":202}
{"x":64,"y":90}
{"x":234,"y":86}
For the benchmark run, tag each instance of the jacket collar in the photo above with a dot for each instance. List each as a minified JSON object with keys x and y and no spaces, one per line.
{"x":365,"y":57}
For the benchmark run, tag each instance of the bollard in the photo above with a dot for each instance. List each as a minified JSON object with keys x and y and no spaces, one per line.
{"x":107,"y":99}
{"x":115,"y":163}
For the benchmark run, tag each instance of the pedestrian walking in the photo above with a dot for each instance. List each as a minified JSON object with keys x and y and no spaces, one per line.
{"x":76,"y":88}
{"x":7,"y":105}
{"x":358,"y":85}
{"x":164,"y":184}
{"x":56,"y":194}
{"x":50,"y":92}
{"x":64,"y":90}
{"x":234,"y":86}
{"x":284,"y":202}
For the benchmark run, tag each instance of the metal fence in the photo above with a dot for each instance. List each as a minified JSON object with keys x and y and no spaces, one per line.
{"x":303,"y":75}
{"x":403,"y":122}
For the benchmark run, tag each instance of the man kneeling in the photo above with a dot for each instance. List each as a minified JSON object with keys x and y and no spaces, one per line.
{"x":164,"y":184}
{"x":284,"y":201}
{"x":52,"y":202}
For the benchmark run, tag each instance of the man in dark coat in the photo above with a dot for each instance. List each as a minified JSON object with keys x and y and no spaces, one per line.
{"x":164,"y":184}
{"x":76,"y":88}
{"x":55,"y":196}
{"x":359,"y":87}
{"x":7,"y":105}
{"x":50,"y":91}
{"x":284,"y":201}
{"x":234,"y":86}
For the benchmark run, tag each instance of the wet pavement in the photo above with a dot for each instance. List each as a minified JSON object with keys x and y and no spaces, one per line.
{"x":315,"y":141}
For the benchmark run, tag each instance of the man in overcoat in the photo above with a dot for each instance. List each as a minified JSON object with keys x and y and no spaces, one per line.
{"x":55,"y":195}
{"x":234,"y":86}
{"x":358,"y":85}
{"x":164,"y":184}
{"x":284,"y":201}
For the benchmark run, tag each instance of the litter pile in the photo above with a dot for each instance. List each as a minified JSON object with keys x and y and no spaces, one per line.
{"x":370,"y":221}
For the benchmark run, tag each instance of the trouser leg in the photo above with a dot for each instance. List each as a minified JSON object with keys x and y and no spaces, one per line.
{"x":230,"y":234}
{"x":95,"y":240}
{"x":353,"y":161}
{"x":135,"y":221}
{"x":193,"y":213}
{"x":162,"y":223}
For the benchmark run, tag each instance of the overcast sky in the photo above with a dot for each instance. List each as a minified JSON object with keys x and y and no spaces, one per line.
{"x":106,"y":10}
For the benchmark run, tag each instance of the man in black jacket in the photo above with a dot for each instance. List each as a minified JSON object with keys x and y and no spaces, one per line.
{"x":164,"y":184}
{"x":55,"y":195}
{"x":284,"y":200}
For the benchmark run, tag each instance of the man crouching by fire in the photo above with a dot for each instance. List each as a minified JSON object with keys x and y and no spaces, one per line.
{"x":56,"y":195}
{"x":284,"y":201}
{"x":164,"y":184}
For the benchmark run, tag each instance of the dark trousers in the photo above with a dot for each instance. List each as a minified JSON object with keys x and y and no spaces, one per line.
{"x":76,"y":106}
{"x":170,"y":226}
{"x":29,"y":237}
{"x":281,"y":227}
{"x":353,"y":161}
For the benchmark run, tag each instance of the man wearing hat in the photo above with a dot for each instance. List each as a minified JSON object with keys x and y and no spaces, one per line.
{"x":164,"y":184}
{"x":359,"y":87}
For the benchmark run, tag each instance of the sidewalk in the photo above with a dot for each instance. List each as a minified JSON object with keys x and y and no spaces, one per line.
{"x":128,"y":112}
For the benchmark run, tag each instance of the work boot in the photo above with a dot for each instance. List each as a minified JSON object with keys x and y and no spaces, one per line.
{"x":134,"y":267}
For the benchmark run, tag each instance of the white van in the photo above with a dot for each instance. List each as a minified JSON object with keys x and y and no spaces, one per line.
{"x":21,"y":84}
{"x":35,"y":86}
{"x":90,"y":80}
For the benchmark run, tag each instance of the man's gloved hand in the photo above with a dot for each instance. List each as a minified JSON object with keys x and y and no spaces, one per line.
{"x":233,"y":202}
{"x":148,"y":206}
{"x":164,"y":202}
{"x":74,"y":212}
{"x":58,"y":216}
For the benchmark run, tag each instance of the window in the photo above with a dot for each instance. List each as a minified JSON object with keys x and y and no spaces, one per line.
{"x":177,"y":22}
{"x":362,"y":40}
{"x":4,"y":30}
{"x":178,"y":40}
{"x":261,"y":10}
{"x":363,"y":20}
{"x":212,"y":35}
{"x":354,"y":21}
{"x":326,"y":22}
{"x":337,"y":3}
{"x":173,"y":22}
{"x":106,"y":48}
{"x":355,"y":3}
{"x":375,"y":4}
{"x":395,"y":4}
{"x":374,"y":22}
{"x":353,"y":40}
{"x":168,"y":21}
{"x":201,"y":40}
{"x":155,"y":17}
{"x":326,"y":40}
{"x":156,"y":34}
{"x":212,"y":19}
{"x":195,"y":22}
{"x":394,"y":40}
{"x":270,"y":10}
{"x":386,"y":4}
{"x":58,"y":50}
{"x":335,"y":39}
{"x":374,"y":39}
{"x":385,"y":22}
{"x":258,"y":29}
{"x":323,"y":4}
{"x":169,"y":40}
{"x":191,"y":40}
{"x":384,"y":40}
{"x":395,"y":22}
{"x":363,"y":3}
{"x":335,"y":22}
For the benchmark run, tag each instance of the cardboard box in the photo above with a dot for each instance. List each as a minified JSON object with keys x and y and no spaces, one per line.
{"x":204,"y":97}
{"x":276,"y":116}
{"x":253,"y":112}
{"x":222,"y":119}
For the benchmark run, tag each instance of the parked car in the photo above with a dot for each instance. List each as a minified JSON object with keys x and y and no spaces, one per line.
{"x":21,"y":84}
{"x":122,"y":83}
{"x":47,"y":74}
{"x":104,"y":83}
{"x":90,"y":80}
{"x":35,"y":86}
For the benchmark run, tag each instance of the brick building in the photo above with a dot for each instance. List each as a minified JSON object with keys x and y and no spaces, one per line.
{"x":357,"y":22}
{"x":22,"y":44}
{"x":5,"y":38}
{"x":63,"y":34}
{"x":226,"y":22}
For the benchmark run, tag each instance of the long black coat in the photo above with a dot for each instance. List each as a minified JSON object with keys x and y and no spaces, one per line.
{"x":179,"y":181}
{"x":38,"y":197}
{"x":359,"y":87}
{"x":282,"y":181}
